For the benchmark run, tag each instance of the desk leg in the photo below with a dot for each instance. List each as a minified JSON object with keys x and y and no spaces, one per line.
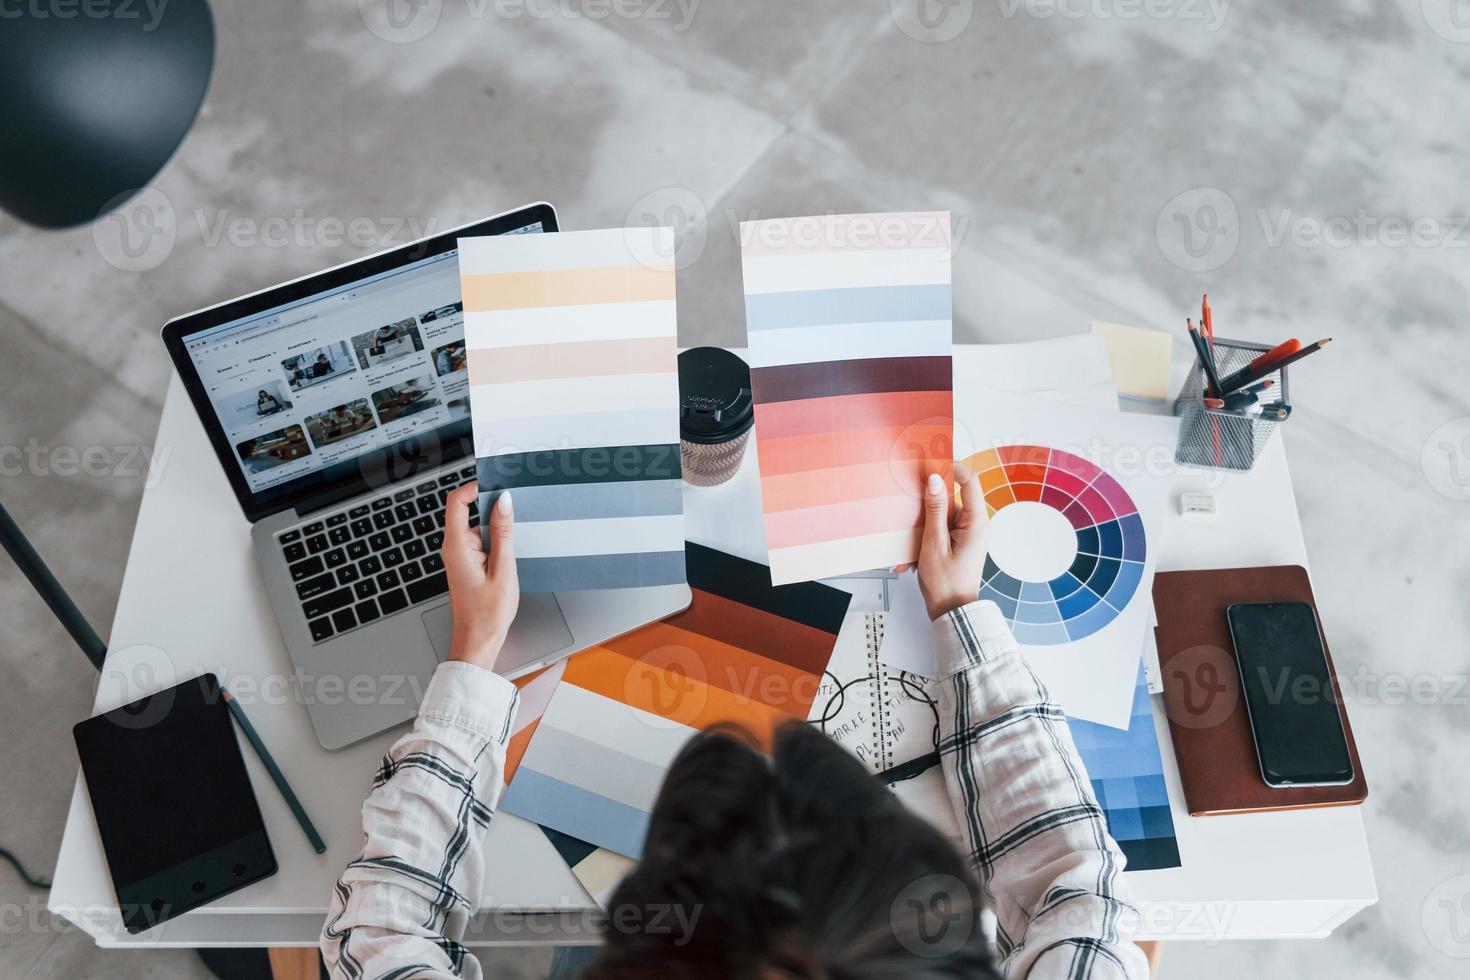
{"x":1153,"y":949}
{"x":295,"y":963}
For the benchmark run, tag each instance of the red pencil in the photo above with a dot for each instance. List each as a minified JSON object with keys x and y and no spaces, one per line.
{"x":1275,"y":364}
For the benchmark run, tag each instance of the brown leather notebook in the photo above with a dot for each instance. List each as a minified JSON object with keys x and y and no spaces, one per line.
{"x":1202,"y":696}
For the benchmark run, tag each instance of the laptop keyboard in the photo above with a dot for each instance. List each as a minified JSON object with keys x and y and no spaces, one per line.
{"x":374,"y":559}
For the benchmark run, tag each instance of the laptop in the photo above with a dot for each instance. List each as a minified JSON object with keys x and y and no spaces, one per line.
{"x":338,"y":405}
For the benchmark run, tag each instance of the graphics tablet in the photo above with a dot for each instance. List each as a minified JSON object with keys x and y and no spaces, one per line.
{"x":178,"y":818}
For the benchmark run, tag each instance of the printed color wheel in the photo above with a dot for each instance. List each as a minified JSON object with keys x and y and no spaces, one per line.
{"x":1025,"y":488}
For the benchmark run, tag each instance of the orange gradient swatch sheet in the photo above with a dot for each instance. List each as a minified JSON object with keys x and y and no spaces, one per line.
{"x":849,"y":325}
{"x":743,"y":652}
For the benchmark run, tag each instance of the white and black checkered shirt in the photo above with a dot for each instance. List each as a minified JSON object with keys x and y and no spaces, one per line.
{"x":1035,"y":832}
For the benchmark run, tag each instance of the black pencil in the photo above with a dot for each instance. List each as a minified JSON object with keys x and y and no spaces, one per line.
{"x":1205,"y":360}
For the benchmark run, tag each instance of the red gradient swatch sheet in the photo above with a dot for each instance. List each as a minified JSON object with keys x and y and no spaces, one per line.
{"x":849,"y":324}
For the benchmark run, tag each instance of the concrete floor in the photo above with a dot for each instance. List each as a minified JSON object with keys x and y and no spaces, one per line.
{"x":1102,"y":159}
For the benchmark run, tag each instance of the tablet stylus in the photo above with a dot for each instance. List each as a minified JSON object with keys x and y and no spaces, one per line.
{"x":319,"y":845}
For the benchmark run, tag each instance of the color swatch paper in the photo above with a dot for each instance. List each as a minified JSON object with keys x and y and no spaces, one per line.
{"x":1127,"y":775}
{"x":848,"y":320}
{"x":535,"y":694}
{"x":598,"y":869}
{"x":1077,"y":500}
{"x":574,"y":399}
{"x":743,"y":652}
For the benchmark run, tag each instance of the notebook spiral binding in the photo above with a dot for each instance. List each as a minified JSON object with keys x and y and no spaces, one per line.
{"x":883,"y":751}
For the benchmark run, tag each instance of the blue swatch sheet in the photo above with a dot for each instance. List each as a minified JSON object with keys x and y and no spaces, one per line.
{"x":1127,"y":776}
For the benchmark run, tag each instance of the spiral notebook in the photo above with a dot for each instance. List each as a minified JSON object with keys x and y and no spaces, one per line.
{"x":883,"y":716}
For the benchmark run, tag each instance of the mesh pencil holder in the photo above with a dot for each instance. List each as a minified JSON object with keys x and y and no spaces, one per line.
{"x":1218,"y":438}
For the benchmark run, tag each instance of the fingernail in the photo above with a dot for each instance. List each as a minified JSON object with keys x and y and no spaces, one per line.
{"x":503,"y":502}
{"x":936,"y":484}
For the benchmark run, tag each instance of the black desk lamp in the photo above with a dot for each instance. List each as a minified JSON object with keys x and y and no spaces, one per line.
{"x":94,"y":105}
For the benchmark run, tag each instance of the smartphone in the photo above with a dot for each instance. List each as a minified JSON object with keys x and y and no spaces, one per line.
{"x":1289,"y":695}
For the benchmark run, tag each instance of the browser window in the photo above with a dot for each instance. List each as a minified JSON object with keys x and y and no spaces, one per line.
{"x":342,"y":373}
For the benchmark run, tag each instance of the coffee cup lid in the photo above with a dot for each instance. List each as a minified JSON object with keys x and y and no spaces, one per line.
{"x":715,"y":403}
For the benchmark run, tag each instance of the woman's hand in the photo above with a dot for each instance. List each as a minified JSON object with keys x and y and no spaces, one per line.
{"x":484,"y":591}
{"x":952,"y":550}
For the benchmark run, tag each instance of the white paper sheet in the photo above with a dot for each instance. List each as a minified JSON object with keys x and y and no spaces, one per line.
{"x":1092,"y":675}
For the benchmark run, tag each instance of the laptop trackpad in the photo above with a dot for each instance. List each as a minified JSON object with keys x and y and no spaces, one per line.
{"x":538,"y":631}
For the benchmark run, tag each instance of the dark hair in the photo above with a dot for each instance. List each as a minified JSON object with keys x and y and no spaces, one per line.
{"x":800,"y":864}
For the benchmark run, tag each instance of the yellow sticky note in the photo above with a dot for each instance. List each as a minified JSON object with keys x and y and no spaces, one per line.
{"x":1139,"y":358}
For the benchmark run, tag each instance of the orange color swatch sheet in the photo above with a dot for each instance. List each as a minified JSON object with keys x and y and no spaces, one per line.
{"x":743,"y":652}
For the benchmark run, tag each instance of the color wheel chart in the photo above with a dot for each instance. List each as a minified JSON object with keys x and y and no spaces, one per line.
{"x":1067,"y":544}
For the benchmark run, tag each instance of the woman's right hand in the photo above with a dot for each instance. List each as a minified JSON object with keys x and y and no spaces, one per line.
{"x":484,"y":590}
{"x":952,"y":550}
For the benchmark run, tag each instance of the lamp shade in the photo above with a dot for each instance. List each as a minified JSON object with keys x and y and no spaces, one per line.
{"x":95,"y":96}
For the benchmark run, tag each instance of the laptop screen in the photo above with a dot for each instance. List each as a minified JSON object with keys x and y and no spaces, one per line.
{"x":331,"y":376}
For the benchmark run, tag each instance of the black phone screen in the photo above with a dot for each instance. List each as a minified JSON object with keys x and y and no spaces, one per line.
{"x":1289,"y":694}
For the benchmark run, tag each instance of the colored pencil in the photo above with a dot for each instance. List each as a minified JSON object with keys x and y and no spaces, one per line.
{"x":1205,"y":360}
{"x":1207,"y":364}
{"x":1235,"y":378}
{"x":277,"y":777}
{"x":1257,"y":373}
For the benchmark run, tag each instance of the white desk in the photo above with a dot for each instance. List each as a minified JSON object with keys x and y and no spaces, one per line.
{"x":187,"y":608}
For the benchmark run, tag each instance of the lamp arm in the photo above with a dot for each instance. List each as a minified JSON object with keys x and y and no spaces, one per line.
{"x":61,"y":605}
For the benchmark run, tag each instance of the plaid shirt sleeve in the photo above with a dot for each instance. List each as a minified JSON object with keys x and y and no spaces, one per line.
{"x":402,"y":906}
{"x":1037,"y":836}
